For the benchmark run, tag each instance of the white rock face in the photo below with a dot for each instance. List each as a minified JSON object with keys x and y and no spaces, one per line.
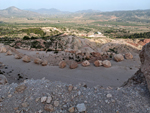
{"x":81,"y":107}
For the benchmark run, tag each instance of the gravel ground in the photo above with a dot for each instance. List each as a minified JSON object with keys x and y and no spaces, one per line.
{"x":26,"y":98}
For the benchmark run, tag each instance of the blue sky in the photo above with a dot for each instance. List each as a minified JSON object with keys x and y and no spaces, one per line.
{"x":75,"y":5}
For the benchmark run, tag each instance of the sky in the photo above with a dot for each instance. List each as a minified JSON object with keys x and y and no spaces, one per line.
{"x":76,"y":5}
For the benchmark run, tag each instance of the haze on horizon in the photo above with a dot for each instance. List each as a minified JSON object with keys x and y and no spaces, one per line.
{"x":76,"y":5}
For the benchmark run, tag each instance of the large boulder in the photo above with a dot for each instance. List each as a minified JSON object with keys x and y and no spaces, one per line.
{"x":73,"y":65}
{"x":106,"y":63}
{"x":85,"y":63}
{"x":9,"y":52}
{"x":118,"y":57}
{"x":3,"y":49}
{"x":98,"y":63}
{"x":37,"y":61}
{"x":128,"y":56}
{"x":18,"y":56}
{"x":26,"y":59}
{"x":145,"y":63}
{"x":3,"y":80}
{"x":62,"y":64}
{"x":44,"y":63}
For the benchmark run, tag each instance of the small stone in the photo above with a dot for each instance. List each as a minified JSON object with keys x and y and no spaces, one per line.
{"x":85,"y":63}
{"x":109,"y":95}
{"x":40,"y":111}
{"x":98,"y":63}
{"x":20,"y":88}
{"x":62,"y":64}
{"x":118,"y":57}
{"x":49,"y":108}
{"x":10,"y":95}
{"x":43,"y":99}
{"x":44,"y":63}
{"x":37,"y":99}
{"x":25,"y":104}
{"x":79,"y":93}
{"x":49,"y":99}
{"x":3,"y":80}
{"x":56,"y":103}
{"x":17,"y":56}
{"x":37,"y":61}
{"x":9,"y":53}
{"x":71,"y":109}
{"x":26,"y":59}
{"x":106,"y":63}
{"x":70,"y":88}
{"x":81,"y":107}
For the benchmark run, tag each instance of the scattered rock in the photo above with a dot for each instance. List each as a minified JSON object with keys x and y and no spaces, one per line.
{"x":26,"y":59}
{"x":9,"y":53}
{"x":73,"y":65}
{"x":109,"y":95}
{"x":118,"y":57}
{"x":3,"y":49}
{"x":44,"y":63}
{"x":3,"y":80}
{"x":85,"y":63}
{"x":62,"y":64}
{"x":49,"y":108}
{"x":20,"y":88}
{"x":17,"y":56}
{"x":71,"y":109}
{"x":43,"y":99}
{"x":70,"y":87}
{"x":37,"y":61}
{"x":49,"y":99}
{"x":56,"y":103}
{"x":128,"y":56}
{"x":98,"y":63}
{"x":106,"y":63}
{"x":81,"y":107}
{"x":25,"y":104}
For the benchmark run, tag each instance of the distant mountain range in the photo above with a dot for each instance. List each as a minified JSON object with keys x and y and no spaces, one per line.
{"x":15,"y":12}
{"x":135,"y":15}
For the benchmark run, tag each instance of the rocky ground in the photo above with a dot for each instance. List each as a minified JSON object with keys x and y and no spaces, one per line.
{"x":43,"y":96}
{"x":46,"y":95}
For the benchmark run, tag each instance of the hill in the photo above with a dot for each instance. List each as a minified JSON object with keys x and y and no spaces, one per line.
{"x":16,"y":12}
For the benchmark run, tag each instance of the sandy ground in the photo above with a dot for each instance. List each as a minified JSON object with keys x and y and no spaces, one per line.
{"x":92,"y":76}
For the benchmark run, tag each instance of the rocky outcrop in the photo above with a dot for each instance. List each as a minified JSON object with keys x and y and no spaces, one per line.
{"x":106,"y":63}
{"x":37,"y":61}
{"x":3,"y":80}
{"x":3,"y":49}
{"x":85,"y":63}
{"x":98,"y":63}
{"x":128,"y":56}
{"x":145,"y":63}
{"x":62,"y":64}
{"x":73,"y":65}
{"x":26,"y":59}
{"x":118,"y":57}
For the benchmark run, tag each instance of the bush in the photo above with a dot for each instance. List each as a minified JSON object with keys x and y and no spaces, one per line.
{"x":26,"y":38}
